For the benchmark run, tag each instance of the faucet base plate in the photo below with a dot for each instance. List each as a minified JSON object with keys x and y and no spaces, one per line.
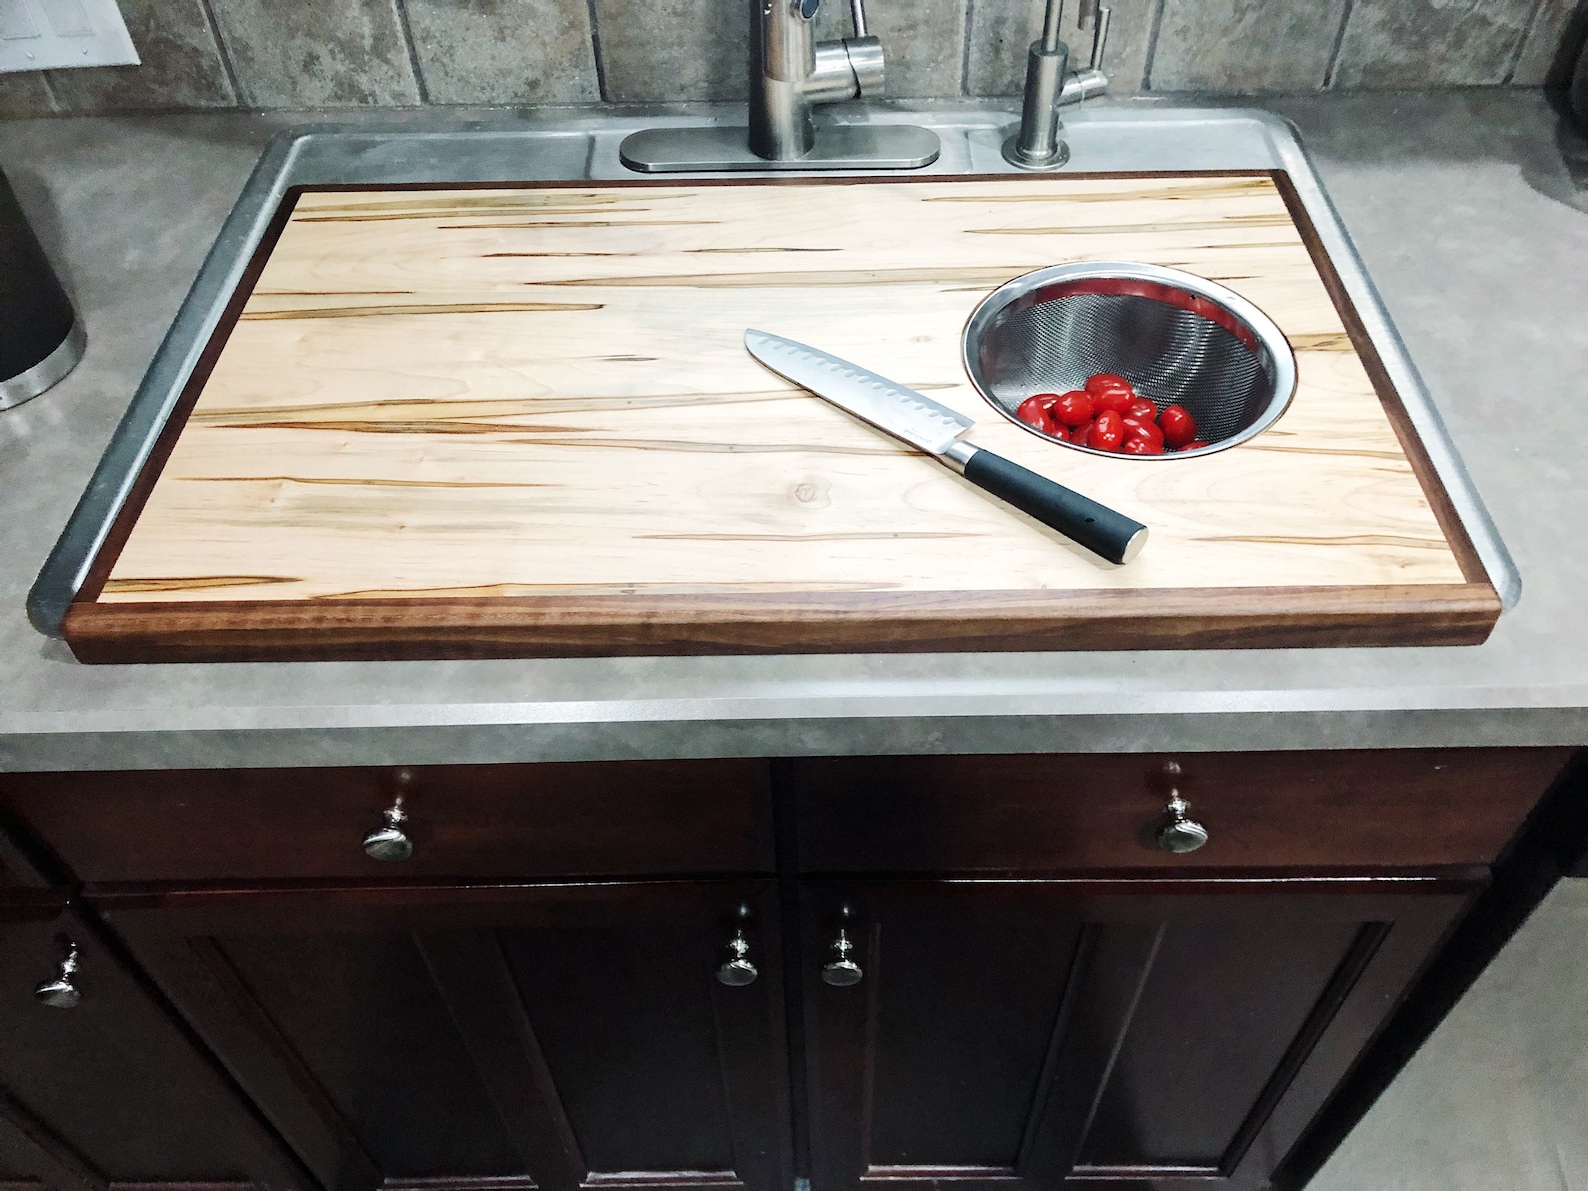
{"x":838,"y":147}
{"x":1012,"y":154}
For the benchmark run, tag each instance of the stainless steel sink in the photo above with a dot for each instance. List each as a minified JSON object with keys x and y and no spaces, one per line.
{"x":1102,"y":138}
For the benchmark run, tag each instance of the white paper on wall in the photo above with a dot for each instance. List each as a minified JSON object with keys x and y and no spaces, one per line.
{"x":57,"y":34}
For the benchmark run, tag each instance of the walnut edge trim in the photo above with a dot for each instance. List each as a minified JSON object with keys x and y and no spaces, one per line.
{"x":1456,"y":537}
{"x":881,"y":622}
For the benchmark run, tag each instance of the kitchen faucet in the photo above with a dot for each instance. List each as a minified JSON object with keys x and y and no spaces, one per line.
{"x":790,"y":74}
{"x":1050,"y":86}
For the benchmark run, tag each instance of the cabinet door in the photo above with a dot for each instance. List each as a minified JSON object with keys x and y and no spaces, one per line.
{"x":1159,"y":1034}
{"x":109,"y":1090}
{"x":17,"y":868}
{"x":552,"y":1037}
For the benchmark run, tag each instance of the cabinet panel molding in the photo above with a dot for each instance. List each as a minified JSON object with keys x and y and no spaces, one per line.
{"x":1096,"y":1033}
{"x":110,"y":1093}
{"x":472,"y":974}
{"x":44,"y":1152}
{"x":510,"y":1003}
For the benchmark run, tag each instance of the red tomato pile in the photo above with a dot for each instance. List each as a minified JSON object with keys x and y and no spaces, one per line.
{"x":1107,"y":415}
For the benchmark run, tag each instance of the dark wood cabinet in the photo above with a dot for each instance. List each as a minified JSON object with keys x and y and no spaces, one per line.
{"x":490,"y":1037}
{"x":18,"y":870}
{"x":467,"y":822}
{"x":1047,"y":997}
{"x":1078,"y":1033}
{"x":110,"y":1090}
{"x":1348,"y":810}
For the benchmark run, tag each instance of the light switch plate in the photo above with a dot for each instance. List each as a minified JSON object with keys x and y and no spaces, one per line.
{"x":56,"y":34}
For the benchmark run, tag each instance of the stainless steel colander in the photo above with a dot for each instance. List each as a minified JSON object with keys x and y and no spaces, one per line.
{"x":1178,"y":338}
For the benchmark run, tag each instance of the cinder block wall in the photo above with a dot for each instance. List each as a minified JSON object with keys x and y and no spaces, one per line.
{"x":208,"y":54}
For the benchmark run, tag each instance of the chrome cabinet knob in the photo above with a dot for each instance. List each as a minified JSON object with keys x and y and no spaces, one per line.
{"x":738,"y":970}
{"x":841,"y":971}
{"x":1179,"y":832}
{"x":61,"y":992}
{"x":390,"y":842}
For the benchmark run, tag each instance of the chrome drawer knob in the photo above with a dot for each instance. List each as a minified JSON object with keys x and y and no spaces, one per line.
{"x":61,"y":993}
{"x":841,"y":971}
{"x":390,"y":842}
{"x":1177,"y":830}
{"x":1181,"y":833}
{"x":738,"y":971}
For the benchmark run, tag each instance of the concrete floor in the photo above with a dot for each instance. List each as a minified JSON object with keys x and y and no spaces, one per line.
{"x":1498,"y":1098}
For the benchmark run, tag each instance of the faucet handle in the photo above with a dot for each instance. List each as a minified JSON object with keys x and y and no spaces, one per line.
{"x":1102,"y":17}
{"x":853,"y":68}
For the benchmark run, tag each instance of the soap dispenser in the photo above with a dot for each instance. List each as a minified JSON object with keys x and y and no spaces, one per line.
{"x":40,"y":337}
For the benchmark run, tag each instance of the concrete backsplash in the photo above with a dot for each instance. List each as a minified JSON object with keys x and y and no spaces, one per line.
{"x":205,"y":54}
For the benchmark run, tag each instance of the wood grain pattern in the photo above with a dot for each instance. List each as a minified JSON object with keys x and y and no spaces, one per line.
{"x":734,"y":623}
{"x":482,"y":421}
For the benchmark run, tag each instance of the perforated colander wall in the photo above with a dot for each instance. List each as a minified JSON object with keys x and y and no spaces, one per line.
{"x":1046,"y":340}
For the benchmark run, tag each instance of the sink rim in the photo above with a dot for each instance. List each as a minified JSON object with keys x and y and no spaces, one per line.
{"x":1103,"y":138}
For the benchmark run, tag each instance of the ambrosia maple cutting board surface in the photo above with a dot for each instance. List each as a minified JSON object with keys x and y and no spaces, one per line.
{"x":521,"y":421}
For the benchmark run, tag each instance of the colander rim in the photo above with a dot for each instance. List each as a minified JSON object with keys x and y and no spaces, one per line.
{"x":1263,"y":328}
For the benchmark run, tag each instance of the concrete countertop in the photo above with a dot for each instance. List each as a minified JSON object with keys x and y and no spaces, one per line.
{"x":1470,"y":210}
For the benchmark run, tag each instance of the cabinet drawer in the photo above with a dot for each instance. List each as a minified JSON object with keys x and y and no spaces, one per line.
{"x":633,"y":818}
{"x":1395,"y":808}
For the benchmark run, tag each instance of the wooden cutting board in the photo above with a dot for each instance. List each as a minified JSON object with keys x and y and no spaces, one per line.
{"x":520,"y":421}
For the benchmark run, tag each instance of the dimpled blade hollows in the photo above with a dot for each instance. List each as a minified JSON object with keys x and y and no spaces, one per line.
{"x":888,"y":406}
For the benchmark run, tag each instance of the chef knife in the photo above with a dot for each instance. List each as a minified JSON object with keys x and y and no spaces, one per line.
{"x":936,"y":429}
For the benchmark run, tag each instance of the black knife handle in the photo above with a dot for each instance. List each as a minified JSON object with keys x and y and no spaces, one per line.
{"x":1099,"y":528}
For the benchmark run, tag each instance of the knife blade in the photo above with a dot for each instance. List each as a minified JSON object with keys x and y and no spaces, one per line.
{"x":892,"y":408}
{"x":936,"y":429}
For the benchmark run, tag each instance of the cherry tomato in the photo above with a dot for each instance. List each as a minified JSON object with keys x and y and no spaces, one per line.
{"x":1108,"y":432}
{"x":1143,"y":409}
{"x":1195,"y":445}
{"x":1081,"y":435}
{"x":1062,"y":433}
{"x":1141,"y":446}
{"x":1037,"y":411}
{"x":1142,"y":429}
{"x":1178,"y":426}
{"x":1106,"y":381}
{"x":1117,"y":400}
{"x":1074,"y":408}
